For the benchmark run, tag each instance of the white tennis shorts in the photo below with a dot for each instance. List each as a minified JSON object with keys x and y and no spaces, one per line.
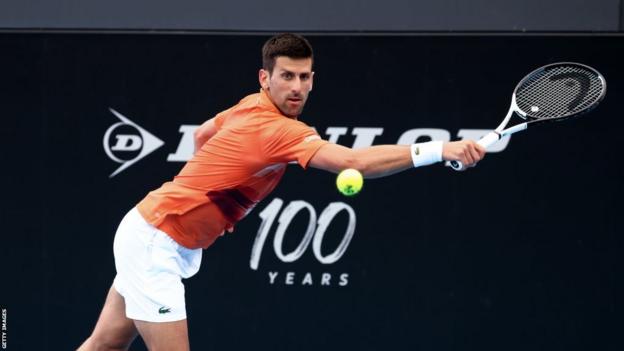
{"x":150,"y":268}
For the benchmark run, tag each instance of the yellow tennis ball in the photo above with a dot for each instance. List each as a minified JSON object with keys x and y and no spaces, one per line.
{"x":349,"y":182}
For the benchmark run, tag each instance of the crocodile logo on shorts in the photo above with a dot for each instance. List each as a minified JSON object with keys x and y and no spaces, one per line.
{"x":164,"y":310}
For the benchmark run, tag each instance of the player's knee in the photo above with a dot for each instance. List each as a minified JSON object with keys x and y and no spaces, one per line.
{"x":102,"y":343}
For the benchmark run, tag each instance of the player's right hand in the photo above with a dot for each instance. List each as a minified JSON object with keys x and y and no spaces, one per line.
{"x":468,"y":152}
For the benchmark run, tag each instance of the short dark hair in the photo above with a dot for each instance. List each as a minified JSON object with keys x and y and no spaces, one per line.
{"x":286,"y":44}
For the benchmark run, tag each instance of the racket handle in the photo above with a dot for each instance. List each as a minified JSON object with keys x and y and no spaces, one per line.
{"x":487,"y":141}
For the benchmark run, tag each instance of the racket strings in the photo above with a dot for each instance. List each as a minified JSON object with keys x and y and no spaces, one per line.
{"x":558,"y":92}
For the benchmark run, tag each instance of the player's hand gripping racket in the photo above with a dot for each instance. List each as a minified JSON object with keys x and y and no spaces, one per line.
{"x":551,"y":93}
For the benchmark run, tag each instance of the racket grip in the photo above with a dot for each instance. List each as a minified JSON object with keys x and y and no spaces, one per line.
{"x":456,"y":165}
{"x":488,"y":140}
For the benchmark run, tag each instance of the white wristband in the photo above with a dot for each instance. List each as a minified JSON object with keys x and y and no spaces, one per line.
{"x":424,"y":154}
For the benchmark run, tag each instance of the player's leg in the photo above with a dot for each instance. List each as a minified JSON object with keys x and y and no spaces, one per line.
{"x":170,"y":336}
{"x":113,"y":330}
{"x":150,"y":268}
{"x":161,"y":320}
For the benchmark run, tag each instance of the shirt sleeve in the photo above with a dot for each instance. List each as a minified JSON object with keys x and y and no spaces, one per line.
{"x":222,"y":116}
{"x":293,"y":140}
{"x":219,"y":119}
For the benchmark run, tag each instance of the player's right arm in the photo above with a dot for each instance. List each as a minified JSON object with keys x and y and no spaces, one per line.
{"x":383,"y":160}
{"x":204,"y":132}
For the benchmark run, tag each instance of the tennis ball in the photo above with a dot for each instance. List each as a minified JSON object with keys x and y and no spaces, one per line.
{"x":349,"y":182}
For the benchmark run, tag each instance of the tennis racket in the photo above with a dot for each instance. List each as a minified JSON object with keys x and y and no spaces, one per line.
{"x":551,"y":93}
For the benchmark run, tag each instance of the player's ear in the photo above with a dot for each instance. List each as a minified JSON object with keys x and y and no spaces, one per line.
{"x":263,"y":78}
{"x":311,"y":81}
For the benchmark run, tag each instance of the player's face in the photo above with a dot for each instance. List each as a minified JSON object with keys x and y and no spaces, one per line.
{"x":289,"y":84}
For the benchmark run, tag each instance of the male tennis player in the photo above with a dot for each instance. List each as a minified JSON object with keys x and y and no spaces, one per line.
{"x":240,"y":156}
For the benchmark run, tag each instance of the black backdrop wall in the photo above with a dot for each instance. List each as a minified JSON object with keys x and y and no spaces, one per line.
{"x":522,"y":252}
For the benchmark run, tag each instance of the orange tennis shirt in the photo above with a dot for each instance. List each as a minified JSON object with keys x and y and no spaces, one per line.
{"x":235,"y":169}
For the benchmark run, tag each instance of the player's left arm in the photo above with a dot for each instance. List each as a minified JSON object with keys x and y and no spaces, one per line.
{"x":384,"y":160}
{"x":204,"y":132}
{"x":372,"y":162}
